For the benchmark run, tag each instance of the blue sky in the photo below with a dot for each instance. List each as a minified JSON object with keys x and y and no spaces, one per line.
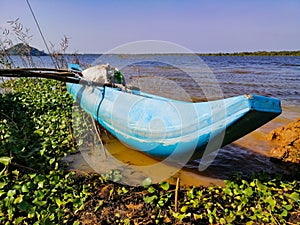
{"x":201,"y":26}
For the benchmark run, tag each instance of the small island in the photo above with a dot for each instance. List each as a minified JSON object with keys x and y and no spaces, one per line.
{"x":24,"y":49}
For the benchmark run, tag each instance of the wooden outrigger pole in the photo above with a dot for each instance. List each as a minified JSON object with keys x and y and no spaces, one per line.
{"x":50,"y":73}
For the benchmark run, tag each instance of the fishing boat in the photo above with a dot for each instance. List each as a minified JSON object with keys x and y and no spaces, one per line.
{"x":167,"y":128}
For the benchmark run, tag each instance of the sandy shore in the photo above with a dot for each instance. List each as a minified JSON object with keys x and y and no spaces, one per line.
{"x":287,"y":139}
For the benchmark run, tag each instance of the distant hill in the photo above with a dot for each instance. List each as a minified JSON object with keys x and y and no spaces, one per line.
{"x":23,"y":49}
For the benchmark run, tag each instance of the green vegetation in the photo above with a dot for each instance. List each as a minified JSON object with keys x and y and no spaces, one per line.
{"x":256,"y":200}
{"x":241,"y":201}
{"x":36,"y":189}
{"x":34,"y":137}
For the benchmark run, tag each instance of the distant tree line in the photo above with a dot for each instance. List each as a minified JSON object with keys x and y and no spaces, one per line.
{"x":23,"y":49}
{"x":258,"y":53}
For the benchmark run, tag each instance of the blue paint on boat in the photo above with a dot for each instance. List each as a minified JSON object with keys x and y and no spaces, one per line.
{"x":162,"y":127}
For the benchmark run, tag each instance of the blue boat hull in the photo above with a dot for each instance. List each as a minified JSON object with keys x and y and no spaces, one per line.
{"x":162,"y":127}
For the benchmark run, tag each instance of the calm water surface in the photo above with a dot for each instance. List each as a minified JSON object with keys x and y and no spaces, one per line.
{"x":191,"y":78}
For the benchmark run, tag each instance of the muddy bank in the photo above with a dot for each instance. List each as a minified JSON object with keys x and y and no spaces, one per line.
{"x":287,"y":139}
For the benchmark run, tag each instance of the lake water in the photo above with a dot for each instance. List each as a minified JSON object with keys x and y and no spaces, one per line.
{"x":191,"y":78}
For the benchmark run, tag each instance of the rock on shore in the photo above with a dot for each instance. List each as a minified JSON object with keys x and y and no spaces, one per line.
{"x":288,"y":139}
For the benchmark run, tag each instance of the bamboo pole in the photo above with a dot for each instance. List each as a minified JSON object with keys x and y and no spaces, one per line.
{"x":176,"y":194}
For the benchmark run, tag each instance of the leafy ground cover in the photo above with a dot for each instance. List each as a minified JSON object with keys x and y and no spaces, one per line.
{"x":255,"y":201}
{"x":34,"y":137}
{"x":35,"y":188}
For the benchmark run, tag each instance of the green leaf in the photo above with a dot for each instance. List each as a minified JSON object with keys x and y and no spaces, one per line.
{"x":38,"y":178}
{"x":294,"y":196}
{"x":197,"y":216}
{"x":32,"y":175}
{"x":24,"y":205}
{"x":124,"y":190}
{"x":151,"y":189}
{"x":76,"y":222}
{"x":288,"y":207}
{"x":41,"y":184}
{"x":31,"y":212}
{"x":147,"y":182}
{"x":164,"y":185}
{"x":184,"y":208}
{"x":19,"y":199}
{"x":190,"y":194}
{"x":2,"y":184}
{"x":271,"y":201}
{"x":228,"y":191}
{"x":161,"y":202}
{"x":11,"y":193}
{"x":59,"y":202}
{"x":150,"y":199}
{"x":16,"y":172}
{"x":5,"y":160}
{"x":19,"y":220}
{"x":51,"y":161}
{"x":248,"y":191}
{"x":25,"y":188}
{"x":260,"y":186}
{"x":222,"y":221}
{"x":284,"y":213}
{"x":39,"y":203}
